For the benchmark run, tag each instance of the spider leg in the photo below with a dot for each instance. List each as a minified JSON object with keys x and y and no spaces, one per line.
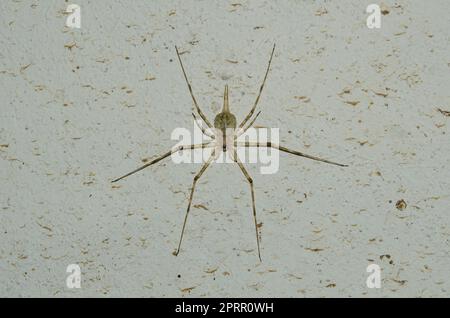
{"x":260,"y":91}
{"x":196,"y":178}
{"x":204,"y":131}
{"x":192,"y":94}
{"x":294,"y":152}
{"x":242,"y":131}
{"x":250,"y":181}
{"x":167,"y":154}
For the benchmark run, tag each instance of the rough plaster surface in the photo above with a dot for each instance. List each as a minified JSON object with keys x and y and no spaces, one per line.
{"x":80,"y":107}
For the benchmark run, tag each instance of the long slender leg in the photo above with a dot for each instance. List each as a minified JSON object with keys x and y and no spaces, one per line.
{"x":167,"y":154}
{"x":260,"y":91}
{"x":294,"y":152}
{"x":242,"y":131}
{"x":196,"y":178}
{"x":192,"y":94}
{"x":204,"y":131}
{"x":250,"y":181}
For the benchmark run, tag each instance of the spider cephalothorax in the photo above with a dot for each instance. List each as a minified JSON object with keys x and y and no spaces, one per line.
{"x":224,"y":137}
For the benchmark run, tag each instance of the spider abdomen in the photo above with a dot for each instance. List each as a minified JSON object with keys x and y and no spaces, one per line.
{"x":225,"y":120}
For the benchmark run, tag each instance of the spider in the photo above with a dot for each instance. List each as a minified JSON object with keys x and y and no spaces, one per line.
{"x":224,"y":134}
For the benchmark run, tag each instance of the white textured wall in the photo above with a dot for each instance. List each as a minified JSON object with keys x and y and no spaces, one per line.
{"x":80,"y":107}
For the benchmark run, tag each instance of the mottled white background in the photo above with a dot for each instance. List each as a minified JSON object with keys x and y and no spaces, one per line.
{"x":80,"y":107}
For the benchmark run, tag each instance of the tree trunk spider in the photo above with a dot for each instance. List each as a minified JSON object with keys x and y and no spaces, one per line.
{"x":224,"y":135}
